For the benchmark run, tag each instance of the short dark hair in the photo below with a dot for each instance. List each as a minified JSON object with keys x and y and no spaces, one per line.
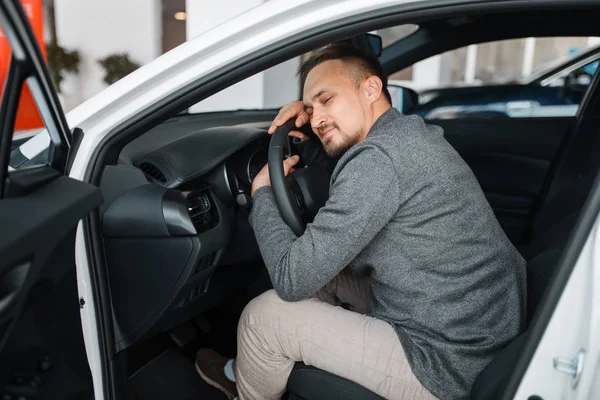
{"x":365,"y":64}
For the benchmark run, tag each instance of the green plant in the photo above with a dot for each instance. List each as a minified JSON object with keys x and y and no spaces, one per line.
{"x":61,"y":60}
{"x":117,"y":66}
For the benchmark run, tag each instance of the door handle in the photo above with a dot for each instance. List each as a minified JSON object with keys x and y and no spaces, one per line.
{"x":573,"y":366}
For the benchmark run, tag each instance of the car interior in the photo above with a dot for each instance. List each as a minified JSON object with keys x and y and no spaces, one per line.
{"x":179,"y":259}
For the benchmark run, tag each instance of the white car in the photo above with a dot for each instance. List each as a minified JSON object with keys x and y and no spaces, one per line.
{"x":152,"y":205}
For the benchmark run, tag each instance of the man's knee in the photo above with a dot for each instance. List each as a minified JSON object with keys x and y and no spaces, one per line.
{"x":267,"y":303}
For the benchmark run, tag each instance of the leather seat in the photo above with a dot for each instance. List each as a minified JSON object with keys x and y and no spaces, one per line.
{"x":310,"y":383}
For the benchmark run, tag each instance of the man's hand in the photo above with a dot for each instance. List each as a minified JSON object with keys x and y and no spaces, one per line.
{"x":291,"y":110}
{"x":263,"y":179}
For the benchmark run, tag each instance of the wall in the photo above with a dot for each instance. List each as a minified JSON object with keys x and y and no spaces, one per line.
{"x":145,"y":29}
{"x":281,"y":84}
{"x":98,"y":29}
{"x":269,"y":89}
{"x":173,"y":33}
{"x":202,"y":16}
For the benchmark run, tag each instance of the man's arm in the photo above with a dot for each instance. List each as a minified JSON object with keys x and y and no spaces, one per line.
{"x":312,"y":154}
{"x":364,"y":197}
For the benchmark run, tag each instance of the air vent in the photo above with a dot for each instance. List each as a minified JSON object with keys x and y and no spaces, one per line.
{"x":153,"y":172}
{"x":202,"y":213}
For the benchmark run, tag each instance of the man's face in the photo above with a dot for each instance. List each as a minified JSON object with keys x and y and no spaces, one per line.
{"x":336,"y":105}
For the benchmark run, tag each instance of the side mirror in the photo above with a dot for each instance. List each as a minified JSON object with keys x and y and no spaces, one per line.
{"x":404,"y":99}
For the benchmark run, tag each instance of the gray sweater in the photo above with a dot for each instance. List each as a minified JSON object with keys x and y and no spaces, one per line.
{"x":406,"y":209}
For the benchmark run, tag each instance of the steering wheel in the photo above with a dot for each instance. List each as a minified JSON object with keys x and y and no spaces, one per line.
{"x":288,"y":195}
{"x":301,"y":194}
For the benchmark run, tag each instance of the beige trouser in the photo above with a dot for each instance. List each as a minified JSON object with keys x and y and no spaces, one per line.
{"x":273,"y":334}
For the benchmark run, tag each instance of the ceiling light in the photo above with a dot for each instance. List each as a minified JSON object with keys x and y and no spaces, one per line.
{"x":180,"y":16}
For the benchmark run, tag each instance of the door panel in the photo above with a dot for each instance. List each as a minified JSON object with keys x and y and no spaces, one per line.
{"x":44,"y":356}
{"x":511,"y":159}
{"x":32,"y":227}
{"x":36,"y":256}
{"x":40,"y":331}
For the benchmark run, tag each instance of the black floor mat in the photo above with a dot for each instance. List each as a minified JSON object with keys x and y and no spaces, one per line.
{"x":171,"y":376}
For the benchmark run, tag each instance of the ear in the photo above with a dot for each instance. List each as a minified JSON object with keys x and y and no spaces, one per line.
{"x":372,"y":88}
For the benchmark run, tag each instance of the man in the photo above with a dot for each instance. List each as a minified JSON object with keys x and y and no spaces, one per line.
{"x":431,"y":287}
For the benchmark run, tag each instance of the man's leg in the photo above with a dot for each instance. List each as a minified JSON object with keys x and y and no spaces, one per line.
{"x":274,"y":334}
{"x":346,"y":290}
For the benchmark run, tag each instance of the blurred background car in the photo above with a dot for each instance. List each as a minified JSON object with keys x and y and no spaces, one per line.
{"x":555,"y":91}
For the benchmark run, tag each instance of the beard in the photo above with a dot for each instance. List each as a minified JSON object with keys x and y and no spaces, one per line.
{"x":337,"y":148}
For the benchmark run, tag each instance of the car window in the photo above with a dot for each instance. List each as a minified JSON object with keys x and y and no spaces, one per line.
{"x":581,"y":75}
{"x":28,"y":120}
{"x":500,"y":78}
{"x":276,"y":86}
{"x":269,"y":89}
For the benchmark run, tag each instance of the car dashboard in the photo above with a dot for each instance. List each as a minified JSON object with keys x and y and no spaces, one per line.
{"x":170,"y":220}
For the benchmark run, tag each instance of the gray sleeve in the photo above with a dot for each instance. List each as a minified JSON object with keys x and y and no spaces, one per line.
{"x":363,"y":198}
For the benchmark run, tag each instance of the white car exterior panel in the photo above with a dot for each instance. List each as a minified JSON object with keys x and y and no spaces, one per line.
{"x":574,"y":325}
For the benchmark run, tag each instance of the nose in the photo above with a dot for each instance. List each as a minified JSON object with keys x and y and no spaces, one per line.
{"x":318,"y":118}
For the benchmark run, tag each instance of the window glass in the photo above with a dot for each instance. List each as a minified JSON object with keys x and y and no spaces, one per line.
{"x":269,"y":89}
{"x":275,"y":87}
{"x":529,"y":77}
{"x":28,"y":120}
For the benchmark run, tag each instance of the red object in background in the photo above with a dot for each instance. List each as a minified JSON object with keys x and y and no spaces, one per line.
{"x":28,"y":116}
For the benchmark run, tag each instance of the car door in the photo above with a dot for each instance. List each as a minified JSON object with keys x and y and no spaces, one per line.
{"x":41,"y":347}
{"x":562,"y":356}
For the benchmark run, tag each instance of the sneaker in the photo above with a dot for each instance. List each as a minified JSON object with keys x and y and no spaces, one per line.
{"x":211,"y":368}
